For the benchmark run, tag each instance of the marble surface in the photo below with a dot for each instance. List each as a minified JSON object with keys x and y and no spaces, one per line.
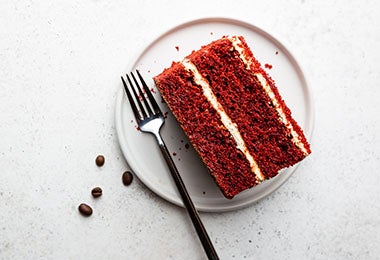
{"x":60,"y":67}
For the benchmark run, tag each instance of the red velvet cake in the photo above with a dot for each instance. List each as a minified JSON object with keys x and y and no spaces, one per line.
{"x":233,"y":114}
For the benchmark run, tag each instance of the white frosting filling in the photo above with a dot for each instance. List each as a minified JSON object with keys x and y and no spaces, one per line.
{"x":282,"y":117}
{"x":226,"y":120}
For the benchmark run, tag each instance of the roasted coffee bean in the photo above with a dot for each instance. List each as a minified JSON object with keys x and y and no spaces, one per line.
{"x":96,"y":192}
{"x":99,"y":160}
{"x":127,"y":178}
{"x":85,"y":210}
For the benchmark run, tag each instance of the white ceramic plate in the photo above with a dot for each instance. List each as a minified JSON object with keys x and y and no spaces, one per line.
{"x":141,"y":150}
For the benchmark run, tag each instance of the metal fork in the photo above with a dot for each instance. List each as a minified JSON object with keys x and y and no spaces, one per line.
{"x":150,"y":119}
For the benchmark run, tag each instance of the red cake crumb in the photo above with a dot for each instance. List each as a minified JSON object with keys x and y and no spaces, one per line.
{"x":177,"y":48}
{"x":240,"y":94}
{"x":268,"y":66}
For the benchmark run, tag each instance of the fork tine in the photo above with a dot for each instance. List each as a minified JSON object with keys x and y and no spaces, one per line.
{"x":131,"y":101}
{"x":144,"y":115}
{"x":152,"y":100}
{"x":142,"y":95}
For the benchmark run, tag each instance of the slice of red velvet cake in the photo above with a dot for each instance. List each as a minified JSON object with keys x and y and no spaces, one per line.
{"x":233,"y":114}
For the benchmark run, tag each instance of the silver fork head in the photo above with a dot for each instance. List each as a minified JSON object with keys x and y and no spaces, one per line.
{"x":147,"y":113}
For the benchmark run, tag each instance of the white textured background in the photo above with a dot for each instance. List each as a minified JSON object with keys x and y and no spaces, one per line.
{"x":60,"y":67}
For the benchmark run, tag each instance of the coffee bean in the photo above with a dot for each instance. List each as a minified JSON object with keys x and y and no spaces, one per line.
{"x":99,"y":160}
{"x":85,"y":210}
{"x":127,"y":178}
{"x":96,"y":192}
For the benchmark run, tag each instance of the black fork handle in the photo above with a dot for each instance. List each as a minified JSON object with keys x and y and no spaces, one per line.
{"x":202,"y":233}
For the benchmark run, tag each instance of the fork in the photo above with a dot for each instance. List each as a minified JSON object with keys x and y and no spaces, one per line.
{"x":149,"y":119}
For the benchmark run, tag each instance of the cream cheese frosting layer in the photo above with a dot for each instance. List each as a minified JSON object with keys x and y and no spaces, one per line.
{"x":264,"y":83}
{"x":226,"y":120}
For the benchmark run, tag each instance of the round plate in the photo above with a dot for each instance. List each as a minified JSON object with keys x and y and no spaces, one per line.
{"x":140,"y":149}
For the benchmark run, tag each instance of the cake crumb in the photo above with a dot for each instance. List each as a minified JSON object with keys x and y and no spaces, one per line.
{"x":177,"y":48}
{"x":268,"y":66}
{"x":187,"y":146}
{"x":211,"y":33}
{"x":276,"y":52}
{"x":174,"y":154}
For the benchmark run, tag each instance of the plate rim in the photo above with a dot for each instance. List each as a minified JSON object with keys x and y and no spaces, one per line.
{"x":132,"y":64}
